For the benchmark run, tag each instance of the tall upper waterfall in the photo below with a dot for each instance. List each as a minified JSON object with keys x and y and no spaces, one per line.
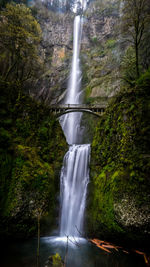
{"x":71,"y":122}
{"x":75,"y":171}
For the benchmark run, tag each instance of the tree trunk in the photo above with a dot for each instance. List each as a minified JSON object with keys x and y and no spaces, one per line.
{"x":10,"y":70}
{"x":38,"y":245}
{"x":137,"y":59}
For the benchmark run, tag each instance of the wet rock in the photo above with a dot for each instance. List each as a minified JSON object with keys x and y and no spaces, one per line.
{"x":56,"y":52}
{"x":129,"y":214}
{"x":120,"y":185}
{"x":99,"y":27}
{"x":101,"y":45}
{"x":54,"y":260}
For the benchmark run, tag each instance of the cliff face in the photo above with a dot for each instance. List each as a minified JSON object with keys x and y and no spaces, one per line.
{"x":119,"y":195}
{"x":31,"y":155}
{"x":55,"y":50}
{"x":100,"y":51}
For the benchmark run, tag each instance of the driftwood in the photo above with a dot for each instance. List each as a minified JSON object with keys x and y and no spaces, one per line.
{"x":104,"y":245}
{"x":146,"y":258}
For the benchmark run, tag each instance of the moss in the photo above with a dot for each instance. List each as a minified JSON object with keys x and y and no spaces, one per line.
{"x":110,"y":43}
{"x":94,"y":40}
{"x":144,"y":80}
{"x":55,"y":260}
{"x":31,"y":156}
{"x":120,"y":166}
{"x":101,"y":70}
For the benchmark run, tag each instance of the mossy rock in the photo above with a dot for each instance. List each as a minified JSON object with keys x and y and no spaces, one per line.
{"x":54,"y":261}
{"x":119,"y":192}
{"x":31,"y":159}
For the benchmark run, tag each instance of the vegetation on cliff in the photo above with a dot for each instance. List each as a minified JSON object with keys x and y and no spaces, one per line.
{"x":119,"y":190}
{"x":118,"y":37}
{"x":120,"y":166}
{"x":20,"y":35}
{"x":31,"y":140}
{"x":32,"y":149}
{"x":135,"y":26}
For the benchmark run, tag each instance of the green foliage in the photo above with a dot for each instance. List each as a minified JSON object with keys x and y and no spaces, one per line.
{"x":32,"y":142}
{"x":120,"y":162}
{"x":56,"y":260}
{"x":135,"y":27}
{"x":5,"y":136}
{"x":3,"y":3}
{"x":32,"y":147}
{"x":111,"y":43}
{"x":95,"y":40}
{"x":128,"y":65}
{"x":144,"y":80}
{"x":20,"y":35}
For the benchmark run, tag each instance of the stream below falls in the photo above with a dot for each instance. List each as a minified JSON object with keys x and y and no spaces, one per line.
{"x":81,"y":253}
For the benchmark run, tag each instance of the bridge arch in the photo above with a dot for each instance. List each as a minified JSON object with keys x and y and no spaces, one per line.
{"x":60,"y":110}
{"x":58,"y":115}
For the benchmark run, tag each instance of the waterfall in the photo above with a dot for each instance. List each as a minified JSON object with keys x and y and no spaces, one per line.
{"x":71,"y":122}
{"x":75,"y":171}
{"x":74,"y":181}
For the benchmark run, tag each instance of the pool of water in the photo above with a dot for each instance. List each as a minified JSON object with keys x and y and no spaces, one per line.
{"x":80,"y":253}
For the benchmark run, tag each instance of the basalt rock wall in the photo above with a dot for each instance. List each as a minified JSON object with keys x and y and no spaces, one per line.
{"x":119,"y":192}
{"x":100,"y":52}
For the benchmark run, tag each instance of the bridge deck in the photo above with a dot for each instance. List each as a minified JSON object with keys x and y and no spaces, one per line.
{"x":67,"y":108}
{"x":77,"y":106}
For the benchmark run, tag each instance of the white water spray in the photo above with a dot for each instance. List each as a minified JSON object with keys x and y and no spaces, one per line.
{"x":71,"y":122}
{"x":74,"y":181}
{"x":75,"y":171}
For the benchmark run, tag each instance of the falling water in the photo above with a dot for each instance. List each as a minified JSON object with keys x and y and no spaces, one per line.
{"x":74,"y":180}
{"x":75,"y":171}
{"x":71,"y":122}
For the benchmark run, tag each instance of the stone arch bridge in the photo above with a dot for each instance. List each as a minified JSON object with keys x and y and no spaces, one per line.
{"x":62,"y":109}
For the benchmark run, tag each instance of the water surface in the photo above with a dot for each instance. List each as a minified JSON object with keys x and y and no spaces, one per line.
{"x":80,"y":254}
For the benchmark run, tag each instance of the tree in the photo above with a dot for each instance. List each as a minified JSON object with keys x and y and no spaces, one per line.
{"x":20,"y":35}
{"x":128,"y":66}
{"x":3,"y":3}
{"x":135,"y":22}
{"x":38,"y":210}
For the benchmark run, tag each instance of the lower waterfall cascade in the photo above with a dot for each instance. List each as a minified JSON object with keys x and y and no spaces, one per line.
{"x":74,"y":181}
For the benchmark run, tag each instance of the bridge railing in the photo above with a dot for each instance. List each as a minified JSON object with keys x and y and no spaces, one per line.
{"x":62,"y":109}
{"x":77,"y":106}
